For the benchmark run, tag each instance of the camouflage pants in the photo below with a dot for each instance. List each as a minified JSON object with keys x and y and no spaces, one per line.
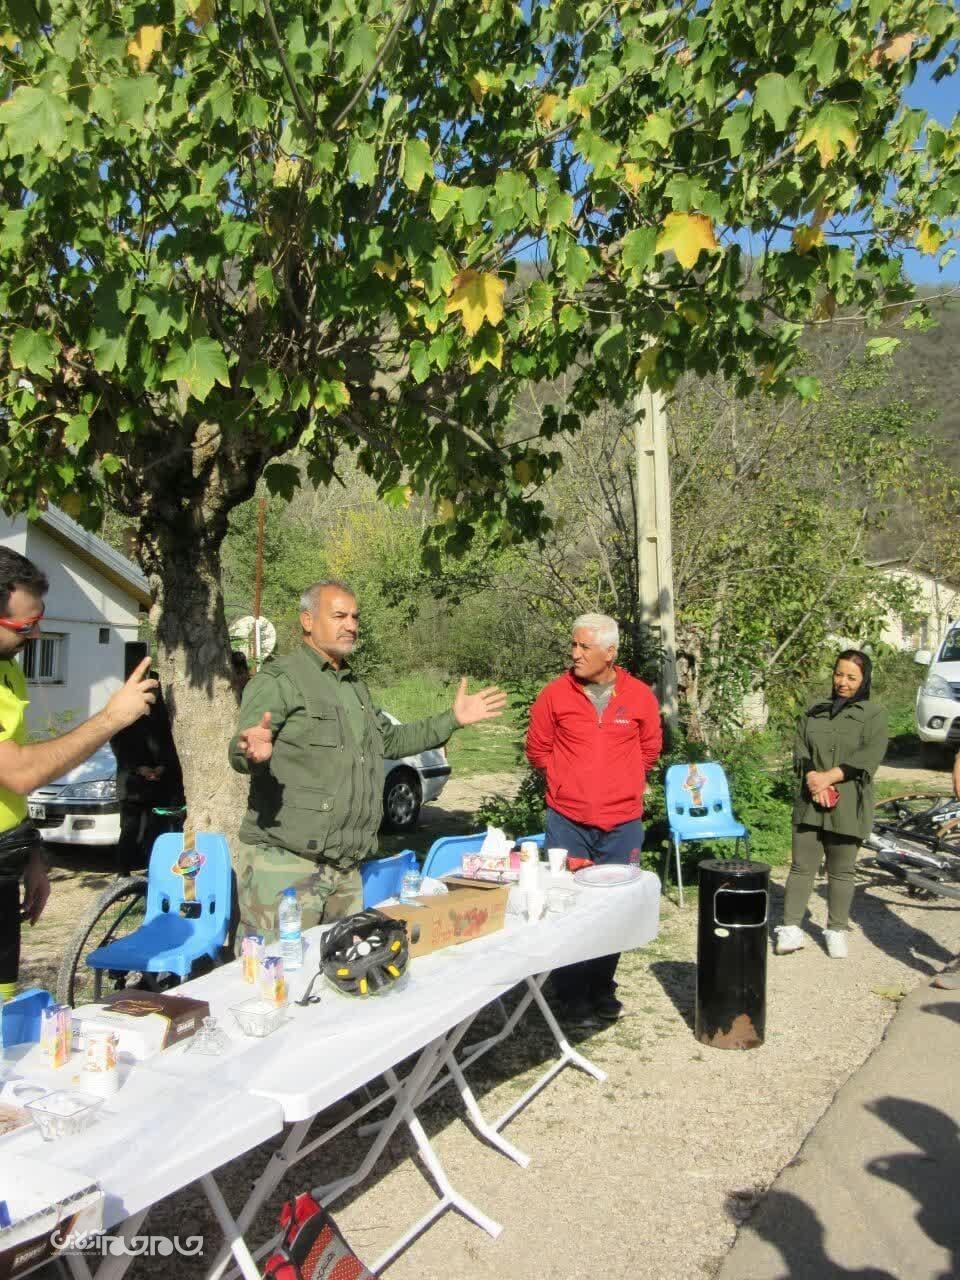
{"x":264,"y":871}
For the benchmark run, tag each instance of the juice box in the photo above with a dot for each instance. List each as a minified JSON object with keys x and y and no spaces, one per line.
{"x":272,"y":985}
{"x":252,"y":956}
{"x":56,"y":1034}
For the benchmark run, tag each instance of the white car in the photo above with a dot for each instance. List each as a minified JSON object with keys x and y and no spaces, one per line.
{"x":938,"y":698}
{"x":81,"y":807}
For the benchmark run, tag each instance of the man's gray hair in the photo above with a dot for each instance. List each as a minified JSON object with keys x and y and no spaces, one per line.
{"x":602,"y":625}
{"x":308,"y":601}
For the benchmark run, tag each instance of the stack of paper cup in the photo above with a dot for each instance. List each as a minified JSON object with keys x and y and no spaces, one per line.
{"x":101,"y":1075}
{"x":529,"y":867}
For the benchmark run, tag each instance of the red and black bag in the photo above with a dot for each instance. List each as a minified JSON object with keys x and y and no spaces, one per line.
{"x":312,"y":1247}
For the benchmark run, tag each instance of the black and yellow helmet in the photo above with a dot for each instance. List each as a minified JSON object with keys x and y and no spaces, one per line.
{"x":365,"y":954}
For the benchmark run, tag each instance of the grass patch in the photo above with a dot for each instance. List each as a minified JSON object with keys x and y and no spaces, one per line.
{"x":482,"y":748}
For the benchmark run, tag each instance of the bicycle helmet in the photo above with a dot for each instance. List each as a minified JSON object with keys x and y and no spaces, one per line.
{"x":365,"y":953}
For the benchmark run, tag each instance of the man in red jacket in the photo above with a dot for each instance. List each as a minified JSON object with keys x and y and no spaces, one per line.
{"x":595,"y":732}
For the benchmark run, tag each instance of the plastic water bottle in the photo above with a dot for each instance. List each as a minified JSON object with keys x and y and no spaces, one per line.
{"x":288,"y":923}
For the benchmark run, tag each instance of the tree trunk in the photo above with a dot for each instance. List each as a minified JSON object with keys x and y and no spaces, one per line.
{"x":193,"y":658}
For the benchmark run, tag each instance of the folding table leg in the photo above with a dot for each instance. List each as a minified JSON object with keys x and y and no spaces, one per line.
{"x":231,"y":1228}
{"x":477,"y":1118}
{"x":277,"y":1166}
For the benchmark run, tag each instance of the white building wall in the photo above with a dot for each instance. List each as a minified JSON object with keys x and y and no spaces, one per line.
{"x":938,"y":604}
{"x":96,"y":618}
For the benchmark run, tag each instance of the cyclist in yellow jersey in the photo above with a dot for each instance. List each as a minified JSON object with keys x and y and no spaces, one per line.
{"x":26,"y":765}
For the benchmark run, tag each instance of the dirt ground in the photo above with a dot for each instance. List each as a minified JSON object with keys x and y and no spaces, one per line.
{"x":644,"y":1176}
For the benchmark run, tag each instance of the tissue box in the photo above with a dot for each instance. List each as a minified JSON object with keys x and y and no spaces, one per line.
{"x":470,"y":909}
{"x":44,"y":1200}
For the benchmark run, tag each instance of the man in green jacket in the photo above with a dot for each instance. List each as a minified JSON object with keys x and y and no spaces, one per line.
{"x":314,"y":744}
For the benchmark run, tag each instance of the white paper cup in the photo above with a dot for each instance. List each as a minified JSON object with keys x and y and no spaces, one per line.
{"x":529,"y":879}
{"x":558,"y":860}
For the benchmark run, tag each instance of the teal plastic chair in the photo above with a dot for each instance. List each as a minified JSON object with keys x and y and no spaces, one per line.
{"x":699,"y":807}
{"x":181,"y":925}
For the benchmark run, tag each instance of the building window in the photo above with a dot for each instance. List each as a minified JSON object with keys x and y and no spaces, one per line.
{"x":45,"y":660}
{"x":104,"y":635}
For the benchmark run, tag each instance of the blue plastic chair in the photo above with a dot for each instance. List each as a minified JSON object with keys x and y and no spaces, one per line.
{"x":444,"y":854}
{"x":20,"y":1016}
{"x":176,"y":931}
{"x":381,"y":876}
{"x":699,"y":808}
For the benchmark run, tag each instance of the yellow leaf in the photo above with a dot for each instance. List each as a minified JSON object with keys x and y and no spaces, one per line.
{"x":684,"y":56}
{"x":828,"y":137}
{"x":893,"y":50}
{"x":286,"y":170}
{"x":821,"y":214}
{"x":768,"y":374}
{"x":636,"y":175}
{"x":826,"y":307}
{"x":929,"y":238}
{"x":147,"y":42}
{"x":414,"y":308}
{"x":388,"y":270}
{"x":548,"y":106}
{"x":9,"y":40}
{"x":488,"y":350}
{"x":647,"y":363}
{"x":693,"y":311}
{"x":483,"y":82}
{"x":688,"y":235}
{"x":201,"y":11}
{"x":523,"y":471}
{"x":806,"y":238}
{"x":478,"y":296}
{"x":446,"y":510}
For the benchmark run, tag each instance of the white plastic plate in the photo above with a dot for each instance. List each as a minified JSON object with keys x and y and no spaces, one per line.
{"x":607,"y":876}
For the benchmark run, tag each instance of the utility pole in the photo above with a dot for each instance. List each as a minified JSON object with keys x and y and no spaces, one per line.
{"x":654,"y":539}
{"x":254,"y":641}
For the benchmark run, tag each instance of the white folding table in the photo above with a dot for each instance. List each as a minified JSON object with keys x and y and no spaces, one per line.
{"x":325,"y":1052}
{"x":150,"y":1139}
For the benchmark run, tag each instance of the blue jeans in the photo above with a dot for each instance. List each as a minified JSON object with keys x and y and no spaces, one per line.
{"x":591,"y":980}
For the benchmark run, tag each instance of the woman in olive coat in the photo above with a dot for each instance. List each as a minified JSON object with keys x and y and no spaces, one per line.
{"x":838,"y":747}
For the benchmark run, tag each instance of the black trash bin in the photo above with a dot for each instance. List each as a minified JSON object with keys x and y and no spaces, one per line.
{"x":732,"y":953}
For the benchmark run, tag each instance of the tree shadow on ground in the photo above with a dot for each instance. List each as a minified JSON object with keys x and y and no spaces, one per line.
{"x":944,"y":1009}
{"x":902,"y":940}
{"x":930,"y":1174}
{"x":794,"y":1229}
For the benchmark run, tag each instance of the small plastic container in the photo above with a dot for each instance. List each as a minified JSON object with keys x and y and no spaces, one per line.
{"x":560,"y":900}
{"x":209,"y":1040}
{"x":258,"y":1017}
{"x":64,"y":1113}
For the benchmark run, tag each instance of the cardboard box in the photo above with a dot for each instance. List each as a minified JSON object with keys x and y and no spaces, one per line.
{"x":47,"y":1204}
{"x":471,"y":909}
{"x":157,"y":1020}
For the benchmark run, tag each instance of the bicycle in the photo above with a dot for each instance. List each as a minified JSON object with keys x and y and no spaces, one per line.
{"x":117,"y":912}
{"x":918,"y":843}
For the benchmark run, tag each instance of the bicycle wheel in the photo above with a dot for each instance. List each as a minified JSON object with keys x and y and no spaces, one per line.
{"x":117,"y":912}
{"x":905,"y":810}
{"x":948,"y":888}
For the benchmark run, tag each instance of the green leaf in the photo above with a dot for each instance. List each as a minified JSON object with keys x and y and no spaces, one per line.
{"x":283,"y":479}
{"x":33,"y":120}
{"x":109,"y":349}
{"x":199,"y":366}
{"x":77,"y":432}
{"x":658,"y":128}
{"x":577,"y":266}
{"x":361,"y":51}
{"x":639,"y":249}
{"x":597,"y":151}
{"x":559,"y":209}
{"x":417,"y":162}
{"x":443,"y":198}
{"x":882,"y":346}
{"x":419,"y":361}
{"x":638,"y":56}
{"x":34,"y":350}
{"x":473,"y":201}
{"x":807,"y":388}
{"x":734,"y":129}
{"x":264,"y":283}
{"x":776,"y":96}
{"x":362,"y":162}
{"x":824,"y":56}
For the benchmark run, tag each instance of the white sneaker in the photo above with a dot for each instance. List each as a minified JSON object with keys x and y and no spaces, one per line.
{"x":789,"y":938}
{"x":836,"y":940}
